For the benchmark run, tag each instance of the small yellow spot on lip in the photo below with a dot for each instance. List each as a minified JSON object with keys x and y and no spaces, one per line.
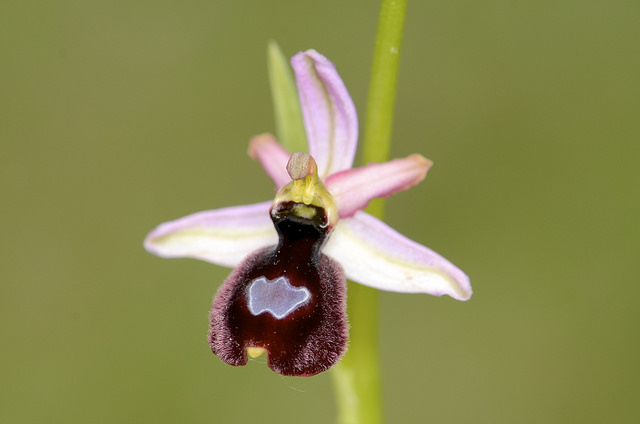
{"x":255,"y":352}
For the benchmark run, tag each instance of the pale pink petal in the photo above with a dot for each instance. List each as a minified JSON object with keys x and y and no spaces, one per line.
{"x":354,"y":188}
{"x":374,"y":254}
{"x":272,"y":156}
{"x":329,"y":114}
{"x":222,"y":236}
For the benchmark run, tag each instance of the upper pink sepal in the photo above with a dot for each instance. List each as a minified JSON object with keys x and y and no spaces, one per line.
{"x":353,"y":189}
{"x":222,"y":236}
{"x":375,"y":255}
{"x":329,"y":113}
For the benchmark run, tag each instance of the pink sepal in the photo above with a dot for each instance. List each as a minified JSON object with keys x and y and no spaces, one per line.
{"x":375,"y":255}
{"x":222,"y":236}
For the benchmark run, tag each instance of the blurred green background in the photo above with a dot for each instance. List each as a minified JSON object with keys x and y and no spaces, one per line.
{"x":116,"y":116}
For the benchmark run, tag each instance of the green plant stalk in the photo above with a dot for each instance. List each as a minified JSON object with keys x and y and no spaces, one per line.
{"x":357,"y":377}
{"x":384,"y":77}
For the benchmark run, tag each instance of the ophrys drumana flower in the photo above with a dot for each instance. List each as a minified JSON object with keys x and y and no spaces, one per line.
{"x":286,"y":294}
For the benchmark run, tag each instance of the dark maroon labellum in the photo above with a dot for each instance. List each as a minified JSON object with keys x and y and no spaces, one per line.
{"x":288,"y":299}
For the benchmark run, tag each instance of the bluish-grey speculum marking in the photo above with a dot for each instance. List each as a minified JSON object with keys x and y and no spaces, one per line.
{"x":278,"y":297}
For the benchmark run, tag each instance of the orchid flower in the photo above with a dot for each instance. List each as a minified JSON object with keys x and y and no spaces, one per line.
{"x":287,"y":293}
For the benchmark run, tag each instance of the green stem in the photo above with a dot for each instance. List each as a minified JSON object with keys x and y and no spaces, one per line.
{"x":357,"y":376}
{"x":382,"y":87}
